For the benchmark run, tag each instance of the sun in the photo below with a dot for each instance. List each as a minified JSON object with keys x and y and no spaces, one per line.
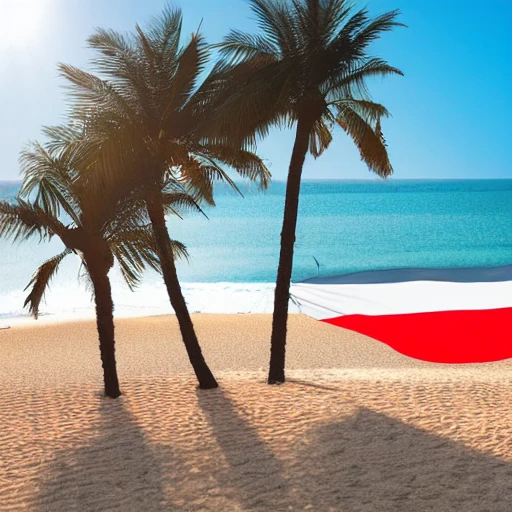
{"x":21,"y":21}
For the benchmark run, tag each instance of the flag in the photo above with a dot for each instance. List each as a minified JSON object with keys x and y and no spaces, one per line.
{"x":437,"y":315}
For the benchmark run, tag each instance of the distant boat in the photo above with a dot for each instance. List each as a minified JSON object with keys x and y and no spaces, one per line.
{"x":437,"y":315}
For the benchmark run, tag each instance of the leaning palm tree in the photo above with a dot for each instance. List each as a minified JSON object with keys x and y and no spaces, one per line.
{"x":148,"y":115}
{"x":56,"y":199}
{"x":308,"y":66}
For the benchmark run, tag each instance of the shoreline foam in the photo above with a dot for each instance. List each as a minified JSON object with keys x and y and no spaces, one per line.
{"x":69,"y":301}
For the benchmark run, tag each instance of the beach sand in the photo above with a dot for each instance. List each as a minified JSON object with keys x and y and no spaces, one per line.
{"x":357,"y":427}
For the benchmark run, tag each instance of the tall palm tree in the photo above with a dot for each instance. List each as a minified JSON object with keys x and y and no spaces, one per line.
{"x":148,"y":115}
{"x":56,"y":199}
{"x":308,"y":65}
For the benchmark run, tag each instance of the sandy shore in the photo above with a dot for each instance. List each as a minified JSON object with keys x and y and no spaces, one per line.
{"x":358,"y":427}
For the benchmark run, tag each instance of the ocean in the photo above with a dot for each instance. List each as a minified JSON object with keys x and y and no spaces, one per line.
{"x":345,"y":226}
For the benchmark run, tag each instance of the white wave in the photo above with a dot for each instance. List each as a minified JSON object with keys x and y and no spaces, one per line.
{"x":71,"y":301}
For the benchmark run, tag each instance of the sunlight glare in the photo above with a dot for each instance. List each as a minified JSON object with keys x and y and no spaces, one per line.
{"x":21,"y":21}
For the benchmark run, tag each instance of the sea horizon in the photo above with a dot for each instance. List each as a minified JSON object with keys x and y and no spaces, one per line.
{"x":378,"y":179}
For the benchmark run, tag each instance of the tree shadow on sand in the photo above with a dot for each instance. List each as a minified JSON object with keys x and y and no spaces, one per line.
{"x":116,"y":471}
{"x":374,"y":463}
{"x":255,"y":478}
{"x":366,"y":463}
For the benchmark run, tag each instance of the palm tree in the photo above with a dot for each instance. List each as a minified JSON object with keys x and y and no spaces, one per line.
{"x":56,"y":199}
{"x":308,"y":66}
{"x":148,"y":117}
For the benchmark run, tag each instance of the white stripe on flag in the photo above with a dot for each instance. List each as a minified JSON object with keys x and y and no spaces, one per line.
{"x":323,"y":301}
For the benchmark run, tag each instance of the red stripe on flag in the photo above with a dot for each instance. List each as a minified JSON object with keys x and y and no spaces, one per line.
{"x":475,"y":336}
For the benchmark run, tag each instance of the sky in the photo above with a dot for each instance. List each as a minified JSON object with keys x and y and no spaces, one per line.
{"x":451,"y":112}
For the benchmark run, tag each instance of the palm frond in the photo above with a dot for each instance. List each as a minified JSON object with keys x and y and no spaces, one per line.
{"x":191,"y":62}
{"x":119,"y":60}
{"x":246,"y":163}
{"x":41,"y":280}
{"x":117,"y":57}
{"x":61,"y":135}
{"x":197,"y":180}
{"x":23,"y":220}
{"x":164,"y":34}
{"x":341,"y":42}
{"x":239,"y":46}
{"x":180,"y":202}
{"x":51,"y":180}
{"x":134,"y":249}
{"x":179,"y":250}
{"x":277,"y":24}
{"x":366,"y":109}
{"x":320,"y":138}
{"x":351,"y":81}
{"x":145,"y":45}
{"x":368,"y":138}
{"x":254,"y":97}
{"x":374,"y":28}
{"x":318,"y":20}
{"x":215,"y":173}
{"x":334,"y":14}
{"x":91,"y":95}
{"x":128,"y":212}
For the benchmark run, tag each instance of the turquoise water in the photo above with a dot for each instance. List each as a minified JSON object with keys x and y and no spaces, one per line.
{"x":346,"y":226}
{"x":353,"y":226}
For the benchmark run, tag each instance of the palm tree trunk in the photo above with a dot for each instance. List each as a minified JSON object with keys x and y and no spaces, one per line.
{"x":284,"y":271}
{"x":105,"y":325}
{"x":163,"y":241}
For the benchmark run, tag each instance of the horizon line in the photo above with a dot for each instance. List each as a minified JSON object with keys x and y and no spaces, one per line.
{"x":376,"y":179}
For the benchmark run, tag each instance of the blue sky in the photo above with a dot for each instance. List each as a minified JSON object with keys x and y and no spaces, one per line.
{"x":452,"y":112}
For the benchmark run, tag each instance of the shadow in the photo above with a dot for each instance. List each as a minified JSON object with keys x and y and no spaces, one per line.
{"x":374,"y":463}
{"x":367,"y":463}
{"x":255,"y":477}
{"x":115,"y":471}
{"x":312,"y":385}
{"x":401,"y":275}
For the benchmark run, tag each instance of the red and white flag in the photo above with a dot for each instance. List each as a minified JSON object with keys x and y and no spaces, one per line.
{"x":437,"y":315}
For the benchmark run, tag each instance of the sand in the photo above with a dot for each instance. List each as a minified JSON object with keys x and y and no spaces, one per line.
{"x":358,"y":427}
